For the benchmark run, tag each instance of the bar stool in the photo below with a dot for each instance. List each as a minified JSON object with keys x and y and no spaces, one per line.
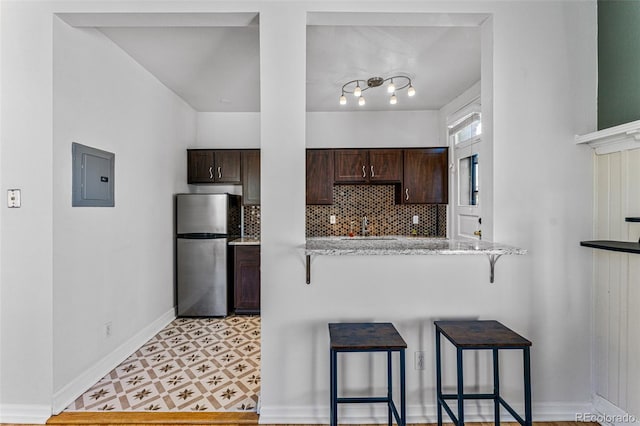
{"x":367,"y":337}
{"x":483,"y":335}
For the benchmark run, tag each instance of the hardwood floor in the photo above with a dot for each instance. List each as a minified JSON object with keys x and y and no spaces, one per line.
{"x":156,"y":419}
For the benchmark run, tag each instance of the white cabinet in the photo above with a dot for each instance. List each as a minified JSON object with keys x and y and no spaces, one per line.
{"x":617,"y":283}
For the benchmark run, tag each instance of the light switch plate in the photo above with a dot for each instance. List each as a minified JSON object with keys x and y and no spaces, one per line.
{"x":416,"y":219}
{"x":13,"y":198}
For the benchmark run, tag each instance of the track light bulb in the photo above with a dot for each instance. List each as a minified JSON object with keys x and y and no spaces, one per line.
{"x":361,"y":101}
{"x":411,"y":91}
{"x":391,"y":87}
{"x":357,"y":91}
{"x":343,"y":99}
{"x":393,"y":100}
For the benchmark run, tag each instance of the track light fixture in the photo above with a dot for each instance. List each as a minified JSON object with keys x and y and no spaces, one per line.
{"x":354,"y":87}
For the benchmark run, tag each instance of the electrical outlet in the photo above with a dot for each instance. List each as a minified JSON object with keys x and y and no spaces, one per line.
{"x":332,"y":219}
{"x":107,"y":329}
{"x":416,"y":219}
{"x":418,"y":360}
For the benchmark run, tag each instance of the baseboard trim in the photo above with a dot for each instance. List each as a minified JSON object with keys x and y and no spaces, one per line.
{"x":65,"y":396}
{"x":377,"y":414}
{"x":607,"y":413}
{"x":24,"y":413}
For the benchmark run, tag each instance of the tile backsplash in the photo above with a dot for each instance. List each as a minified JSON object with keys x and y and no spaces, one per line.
{"x":252,"y":221}
{"x":376,"y":202}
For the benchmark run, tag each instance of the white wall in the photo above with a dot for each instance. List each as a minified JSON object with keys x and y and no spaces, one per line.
{"x":542,"y":185}
{"x":544,"y":91}
{"x":111,"y":265}
{"x":230,"y":130}
{"x":26,"y":233}
{"x":372,"y":129}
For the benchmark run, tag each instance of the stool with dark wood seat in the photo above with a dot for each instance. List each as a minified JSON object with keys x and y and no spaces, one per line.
{"x":488,"y":335}
{"x":367,"y":337}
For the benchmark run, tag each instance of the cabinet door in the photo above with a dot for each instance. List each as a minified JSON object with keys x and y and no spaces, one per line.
{"x":385,"y":165}
{"x":247,"y":279}
{"x":320,"y":176}
{"x":227,"y":166}
{"x":251,"y":177}
{"x":200,"y":164}
{"x":426,"y":176}
{"x":351,"y":165}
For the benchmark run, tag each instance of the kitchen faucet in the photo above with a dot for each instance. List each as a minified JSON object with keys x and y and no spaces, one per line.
{"x":365,"y":222}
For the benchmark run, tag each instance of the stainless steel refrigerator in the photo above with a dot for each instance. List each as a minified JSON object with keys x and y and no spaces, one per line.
{"x":204,"y":225}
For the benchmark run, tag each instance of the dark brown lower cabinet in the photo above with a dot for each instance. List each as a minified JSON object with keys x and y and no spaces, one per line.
{"x":246,"y":279}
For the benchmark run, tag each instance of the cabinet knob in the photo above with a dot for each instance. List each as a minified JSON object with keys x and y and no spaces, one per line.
{"x":211,"y":172}
{"x":364,"y":174}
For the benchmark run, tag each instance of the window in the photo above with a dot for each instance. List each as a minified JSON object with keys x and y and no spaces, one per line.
{"x":468,"y":178}
{"x":468,"y":128}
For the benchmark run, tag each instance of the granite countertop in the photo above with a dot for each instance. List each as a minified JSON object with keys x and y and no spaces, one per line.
{"x":245,"y":241}
{"x":401,"y":245}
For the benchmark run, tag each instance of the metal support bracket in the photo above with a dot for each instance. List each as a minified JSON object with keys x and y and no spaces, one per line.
{"x":493,"y":258}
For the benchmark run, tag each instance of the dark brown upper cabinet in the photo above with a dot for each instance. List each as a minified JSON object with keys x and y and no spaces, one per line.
{"x":251,"y":177}
{"x":200,"y":165}
{"x":351,"y":165}
{"x":385,"y":165}
{"x":368,"y":165}
{"x":426,"y":176}
{"x":213,"y":166}
{"x":320,"y":171}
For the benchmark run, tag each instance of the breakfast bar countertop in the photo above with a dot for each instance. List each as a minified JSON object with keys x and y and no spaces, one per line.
{"x":401,"y":245}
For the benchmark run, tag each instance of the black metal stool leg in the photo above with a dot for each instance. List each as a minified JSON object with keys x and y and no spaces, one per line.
{"x":460,"y":389}
{"x":333,"y":389}
{"x":528,"y":417}
{"x":496,"y":388}
{"x":438,"y":378}
{"x":389,"y":388}
{"x":403,"y":403}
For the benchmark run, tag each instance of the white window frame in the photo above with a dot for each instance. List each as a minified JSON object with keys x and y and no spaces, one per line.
{"x":459,"y":116}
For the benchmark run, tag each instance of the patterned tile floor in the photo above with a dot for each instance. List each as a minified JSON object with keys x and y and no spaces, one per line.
{"x":194,"y":364}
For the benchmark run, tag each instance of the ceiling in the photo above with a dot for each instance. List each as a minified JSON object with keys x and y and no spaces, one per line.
{"x":442,"y":62}
{"x":217,"y":68}
{"x":214,"y":69}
